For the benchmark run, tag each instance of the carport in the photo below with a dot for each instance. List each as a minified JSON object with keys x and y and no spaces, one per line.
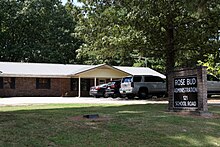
{"x":100,"y":74}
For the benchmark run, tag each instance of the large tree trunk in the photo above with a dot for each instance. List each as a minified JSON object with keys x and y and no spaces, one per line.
{"x":170,"y":52}
{"x":170,"y":49}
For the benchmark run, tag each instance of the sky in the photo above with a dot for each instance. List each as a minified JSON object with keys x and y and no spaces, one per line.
{"x":74,"y":1}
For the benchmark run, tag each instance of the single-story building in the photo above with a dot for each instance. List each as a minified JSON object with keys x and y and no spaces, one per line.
{"x":40,"y":79}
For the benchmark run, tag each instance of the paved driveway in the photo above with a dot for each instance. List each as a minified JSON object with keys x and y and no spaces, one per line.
{"x":87,"y":100}
{"x":69,"y":100}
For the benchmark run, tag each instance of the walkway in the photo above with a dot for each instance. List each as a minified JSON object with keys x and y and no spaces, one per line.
{"x":86,"y":100}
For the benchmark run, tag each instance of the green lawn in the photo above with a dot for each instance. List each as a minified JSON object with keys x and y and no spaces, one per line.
{"x":118,"y":126}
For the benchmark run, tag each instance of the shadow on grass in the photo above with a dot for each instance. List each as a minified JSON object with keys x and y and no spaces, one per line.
{"x":122,"y":125}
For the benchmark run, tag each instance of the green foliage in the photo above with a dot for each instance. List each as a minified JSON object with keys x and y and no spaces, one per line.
{"x":153,"y":62}
{"x":164,"y":34}
{"x":37,"y":31}
{"x":179,"y":33}
{"x":212,"y":67}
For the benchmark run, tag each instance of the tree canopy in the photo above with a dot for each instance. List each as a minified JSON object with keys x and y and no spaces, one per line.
{"x":170,"y":33}
{"x":163,"y":35}
{"x":37,"y":31}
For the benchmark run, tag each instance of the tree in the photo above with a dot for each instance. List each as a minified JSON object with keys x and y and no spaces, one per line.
{"x":178,"y":32}
{"x":37,"y":31}
{"x":212,"y":67}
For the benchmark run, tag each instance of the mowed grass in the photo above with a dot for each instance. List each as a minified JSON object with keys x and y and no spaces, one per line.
{"x":118,"y":126}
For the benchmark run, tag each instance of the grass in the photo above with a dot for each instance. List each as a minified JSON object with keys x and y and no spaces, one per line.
{"x":118,"y":126}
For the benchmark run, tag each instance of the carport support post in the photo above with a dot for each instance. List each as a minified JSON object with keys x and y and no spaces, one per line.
{"x":79,"y":94}
{"x":95,"y":82}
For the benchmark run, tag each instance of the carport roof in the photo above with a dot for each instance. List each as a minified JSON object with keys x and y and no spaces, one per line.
{"x":140,"y":71}
{"x":19,"y":69}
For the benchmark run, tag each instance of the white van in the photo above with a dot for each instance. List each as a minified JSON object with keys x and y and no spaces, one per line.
{"x":142,"y":86}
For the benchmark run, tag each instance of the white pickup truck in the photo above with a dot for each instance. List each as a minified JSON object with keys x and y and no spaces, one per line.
{"x":145,"y":85}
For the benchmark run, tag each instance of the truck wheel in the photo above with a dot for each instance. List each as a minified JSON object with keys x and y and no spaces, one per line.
{"x":97,"y":96}
{"x":105,"y":95}
{"x":130,"y":96}
{"x":122,"y":96}
{"x":114,"y":95}
{"x":143,"y":93}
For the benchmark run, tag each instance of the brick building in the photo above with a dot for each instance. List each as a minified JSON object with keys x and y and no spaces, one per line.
{"x":40,"y":79}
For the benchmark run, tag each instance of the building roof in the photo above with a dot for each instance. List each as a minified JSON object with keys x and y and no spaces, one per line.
{"x":18,"y":69}
{"x":140,"y":71}
{"x":39,"y":69}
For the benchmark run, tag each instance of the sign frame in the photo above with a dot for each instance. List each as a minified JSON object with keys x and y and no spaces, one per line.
{"x":200,"y":72}
{"x":185,"y":92}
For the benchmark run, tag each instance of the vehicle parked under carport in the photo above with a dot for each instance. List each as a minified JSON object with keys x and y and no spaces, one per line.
{"x":98,"y":91}
{"x":112,"y":89}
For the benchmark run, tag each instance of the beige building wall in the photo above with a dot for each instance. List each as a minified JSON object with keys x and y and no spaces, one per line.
{"x":102,"y":73}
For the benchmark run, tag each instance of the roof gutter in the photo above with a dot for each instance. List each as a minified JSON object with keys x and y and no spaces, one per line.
{"x":34,"y":76}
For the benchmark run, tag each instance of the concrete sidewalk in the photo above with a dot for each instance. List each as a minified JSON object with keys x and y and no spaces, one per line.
{"x":86,"y":100}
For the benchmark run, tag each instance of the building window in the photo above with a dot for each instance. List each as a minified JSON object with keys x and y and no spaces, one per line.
{"x":43,"y":83}
{"x":7,"y":83}
{"x":74,"y":84}
{"x":1,"y":83}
